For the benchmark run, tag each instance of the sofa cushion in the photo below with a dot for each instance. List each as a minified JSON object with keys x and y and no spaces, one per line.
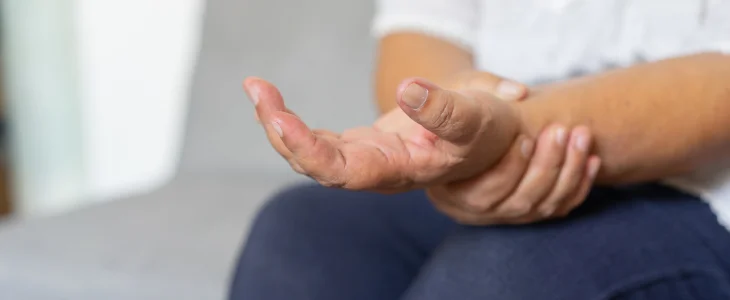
{"x":176,"y":243}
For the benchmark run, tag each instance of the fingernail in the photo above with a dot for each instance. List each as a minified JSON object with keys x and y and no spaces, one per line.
{"x":277,"y":128}
{"x":593,"y":167}
{"x":253,"y":95}
{"x":509,"y":90}
{"x":581,"y":143}
{"x":560,"y":135}
{"x":415,"y":96}
{"x":526,"y":148}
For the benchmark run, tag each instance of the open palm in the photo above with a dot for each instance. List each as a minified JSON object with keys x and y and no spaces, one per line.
{"x":444,"y":141}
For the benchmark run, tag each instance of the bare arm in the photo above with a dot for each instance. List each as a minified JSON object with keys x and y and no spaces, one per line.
{"x":405,"y":55}
{"x":649,"y":121}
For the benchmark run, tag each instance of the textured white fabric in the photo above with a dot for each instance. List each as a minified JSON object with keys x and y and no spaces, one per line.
{"x":456,"y":21}
{"x":544,"y":40}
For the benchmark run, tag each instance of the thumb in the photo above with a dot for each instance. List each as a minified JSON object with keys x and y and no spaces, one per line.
{"x":450,"y":115}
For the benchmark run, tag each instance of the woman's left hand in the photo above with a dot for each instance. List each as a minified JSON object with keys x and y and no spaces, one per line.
{"x":465,"y":131}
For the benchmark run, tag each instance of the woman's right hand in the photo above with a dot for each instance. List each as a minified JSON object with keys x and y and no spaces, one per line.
{"x":527,"y":185}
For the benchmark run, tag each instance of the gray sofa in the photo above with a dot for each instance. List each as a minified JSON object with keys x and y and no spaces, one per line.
{"x":180,"y":241}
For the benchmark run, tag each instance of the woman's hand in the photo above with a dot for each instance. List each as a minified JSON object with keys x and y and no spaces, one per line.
{"x":398,"y":122}
{"x":467,"y":131}
{"x":525,"y":187}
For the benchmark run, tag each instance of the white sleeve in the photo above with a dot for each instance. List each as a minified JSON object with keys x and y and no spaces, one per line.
{"x":455,"y":21}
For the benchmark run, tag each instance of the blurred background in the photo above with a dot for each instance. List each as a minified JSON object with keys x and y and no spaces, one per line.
{"x":130,"y":160}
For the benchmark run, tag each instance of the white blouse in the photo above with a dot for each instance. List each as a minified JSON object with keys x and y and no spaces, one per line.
{"x":535,"y":41}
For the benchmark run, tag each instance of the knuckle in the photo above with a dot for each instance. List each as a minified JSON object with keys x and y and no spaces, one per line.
{"x":550,"y":205}
{"x":516,"y":209}
{"x":546,"y":166}
{"x":503,"y":185}
{"x":548,"y":159}
{"x":450,"y":162}
{"x":332,"y":182}
{"x":487,"y":116}
{"x":446,"y":113}
{"x":297,"y":168}
{"x":547,"y":210}
{"x":553,"y":203}
{"x":437,"y":196}
{"x":536,"y":173}
{"x":476,"y":204}
{"x":327,"y":183}
{"x":563,"y":190}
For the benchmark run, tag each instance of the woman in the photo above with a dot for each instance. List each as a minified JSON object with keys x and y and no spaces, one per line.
{"x":638,"y":92}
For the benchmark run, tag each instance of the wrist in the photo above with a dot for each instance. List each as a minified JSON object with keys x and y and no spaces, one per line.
{"x":541,"y":109}
{"x":525,"y":120}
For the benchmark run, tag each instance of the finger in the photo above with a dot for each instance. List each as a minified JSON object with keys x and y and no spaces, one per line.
{"x":258,"y":120}
{"x":379,"y":163}
{"x":572,"y":172}
{"x":324,"y":134}
{"x":335,"y":163}
{"x":461,"y":216}
{"x":541,"y":174}
{"x":250,"y":87}
{"x":487,"y":190}
{"x":280,"y":148}
{"x":439,"y":198}
{"x":277,"y":143}
{"x":316,"y":155}
{"x":592,"y":168}
{"x":267,"y":100}
{"x":450,"y":115}
{"x":296,"y":167}
{"x":265,"y":97}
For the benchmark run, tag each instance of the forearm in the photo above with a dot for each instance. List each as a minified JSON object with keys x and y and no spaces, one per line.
{"x":649,"y":121}
{"x":405,"y":55}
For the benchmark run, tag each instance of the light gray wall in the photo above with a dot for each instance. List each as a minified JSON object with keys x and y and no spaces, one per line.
{"x":318,"y":52}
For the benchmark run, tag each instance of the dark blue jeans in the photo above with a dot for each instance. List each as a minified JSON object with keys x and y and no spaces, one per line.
{"x":646,"y":242}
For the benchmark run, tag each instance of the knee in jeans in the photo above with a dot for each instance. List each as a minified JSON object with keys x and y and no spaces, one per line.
{"x":684,"y":283}
{"x":291,"y":205}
